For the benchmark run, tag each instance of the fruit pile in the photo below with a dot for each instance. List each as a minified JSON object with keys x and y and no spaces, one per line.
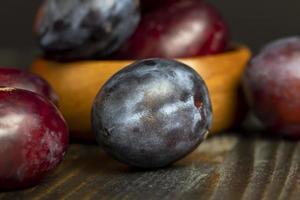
{"x":92,"y":29}
{"x":153,"y":111}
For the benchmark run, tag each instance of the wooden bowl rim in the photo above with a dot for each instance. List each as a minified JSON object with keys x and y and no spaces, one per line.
{"x":235,"y":50}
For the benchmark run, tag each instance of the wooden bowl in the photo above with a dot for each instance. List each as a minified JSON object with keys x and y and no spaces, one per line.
{"x":77,"y":84}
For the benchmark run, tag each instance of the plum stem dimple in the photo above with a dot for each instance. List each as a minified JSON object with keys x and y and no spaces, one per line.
{"x":198,"y":104}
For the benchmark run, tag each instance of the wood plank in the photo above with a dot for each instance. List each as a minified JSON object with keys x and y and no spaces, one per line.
{"x":223,"y":167}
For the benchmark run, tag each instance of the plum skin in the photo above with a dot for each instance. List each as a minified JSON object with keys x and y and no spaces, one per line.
{"x":177,"y":29}
{"x":76,"y":29}
{"x":16,"y":78}
{"x":152,"y":113}
{"x":34,"y":138}
{"x":272,"y":87}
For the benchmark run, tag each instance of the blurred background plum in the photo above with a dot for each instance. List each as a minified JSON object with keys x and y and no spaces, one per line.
{"x":248,"y":20}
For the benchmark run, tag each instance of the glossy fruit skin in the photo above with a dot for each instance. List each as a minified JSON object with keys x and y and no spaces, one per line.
{"x":183,"y":28}
{"x":272,"y":86}
{"x":76,"y":29}
{"x":21,"y":79}
{"x":152,"y":113}
{"x":34,"y":138}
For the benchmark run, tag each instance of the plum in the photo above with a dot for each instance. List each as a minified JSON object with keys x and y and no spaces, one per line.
{"x":33,"y":138}
{"x":183,"y":28}
{"x":152,"y":113}
{"x":272,"y":86}
{"x":25,"y":80}
{"x":79,"y":29}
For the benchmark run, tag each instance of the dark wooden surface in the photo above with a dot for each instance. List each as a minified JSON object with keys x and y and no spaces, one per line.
{"x":223,"y":167}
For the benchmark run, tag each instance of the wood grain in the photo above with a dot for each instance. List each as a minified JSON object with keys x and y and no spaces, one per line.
{"x":223,"y":167}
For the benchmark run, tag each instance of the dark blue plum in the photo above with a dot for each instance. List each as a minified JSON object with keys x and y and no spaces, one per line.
{"x":78,"y":29}
{"x":152,"y":113}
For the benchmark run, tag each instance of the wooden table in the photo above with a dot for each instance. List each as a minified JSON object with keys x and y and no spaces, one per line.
{"x":223,"y":167}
